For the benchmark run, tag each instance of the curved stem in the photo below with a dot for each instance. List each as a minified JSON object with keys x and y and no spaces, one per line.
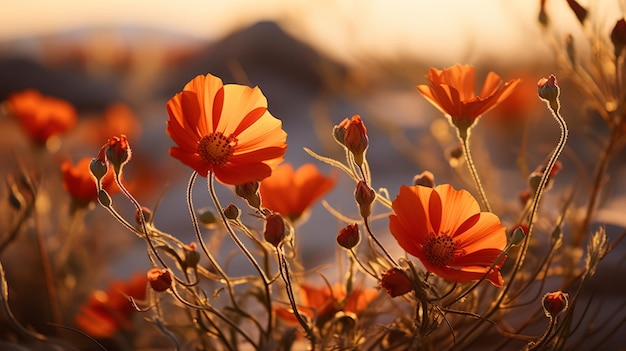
{"x":369,"y":230}
{"x":244,"y":250}
{"x":464,"y":137}
{"x":205,"y":249}
{"x":284,"y":272}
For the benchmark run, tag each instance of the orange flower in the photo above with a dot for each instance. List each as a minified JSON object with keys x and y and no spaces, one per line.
{"x":107,"y":312}
{"x":42,"y":116}
{"x":451,"y":90}
{"x":80,"y":184}
{"x":323,"y":303}
{"x":291,"y":192}
{"x":445,"y":229}
{"x":226,"y":130}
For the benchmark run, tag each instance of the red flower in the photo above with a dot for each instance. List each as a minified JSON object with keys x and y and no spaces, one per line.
{"x":396,"y":282}
{"x":445,"y":229}
{"x":42,"y":116}
{"x":451,"y":90}
{"x":291,"y":192}
{"x":226,"y":130}
{"x":80,"y":184}
{"x":107,"y":312}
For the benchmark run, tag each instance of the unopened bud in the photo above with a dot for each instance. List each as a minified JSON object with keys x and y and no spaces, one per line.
{"x":396,"y":282}
{"x":98,"y":169}
{"x":118,"y":152}
{"x":349,"y":236}
{"x":232,"y":212}
{"x":206,"y":217}
{"x":543,"y":15}
{"x":555,"y":303}
{"x":519,"y":234}
{"x":275,"y":229}
{"x":579,"y":11}
{"x":352,"y":134}
{"x":160,"y":279}
{"x":192,"y":256}
{"x":364,"y":196}
{"x":618,"y":37}
{"x":250,"y":192}
{"x":425,"y":178}
{"x":548,"y":89}
{"x":104,"y":198}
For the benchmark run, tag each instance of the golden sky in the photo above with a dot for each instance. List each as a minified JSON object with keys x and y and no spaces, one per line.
{"x":444,"y":28}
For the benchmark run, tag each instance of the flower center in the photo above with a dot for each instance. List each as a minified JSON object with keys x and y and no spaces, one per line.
{"x":216,"y":148}
{"x":440,"y":249}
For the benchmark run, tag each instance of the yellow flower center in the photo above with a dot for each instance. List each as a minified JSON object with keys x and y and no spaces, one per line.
{"x":216,"y":148}
{"x":440,"y":249}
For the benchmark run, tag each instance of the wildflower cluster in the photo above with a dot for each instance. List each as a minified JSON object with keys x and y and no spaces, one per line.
{"x":427,"y":268}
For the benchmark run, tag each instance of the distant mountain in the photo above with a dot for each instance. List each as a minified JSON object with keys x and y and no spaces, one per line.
{"x":265,"y":55}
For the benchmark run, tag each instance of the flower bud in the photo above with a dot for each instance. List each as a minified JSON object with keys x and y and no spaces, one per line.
{"x":579,"y":11}
{"x":275,"y":229}
{"x":104,"y":198}
{"x":396,"y":282}
{"x":98,"y":168}
{"x":232,"y":212}
{"x":206,"y":217}
{"x":555,"y":303}
{"x":548,"y":89}
{"x":160,"y":279}
{"x":364,"y":196}
{"x":349,"y":236}
{"x":618,"y":36}
{"x":250,"y":192}
{"x":118,"y":152}
{"x":543,"y":15}
{"x":425,"y":178}
{"x":352,"y":134}
{"x":519,"y":234}
{"x":192,"y":256}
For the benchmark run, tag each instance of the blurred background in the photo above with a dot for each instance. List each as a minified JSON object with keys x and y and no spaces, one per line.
{"x":317,"y":62}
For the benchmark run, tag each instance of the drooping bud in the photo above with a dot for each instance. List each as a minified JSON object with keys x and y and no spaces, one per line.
{"x":364,"y":196}
{"x":275,"y":229}
{"x":206,"y":217}
{"x":579,"y":11}
{"x":548,"y":89}
{"x":232,"y":212}
{"x":555,"y":303}
{"x":250,"y":192}
{"x":425,"y":178}
{"x":352,"y":134}
{"x":349,"y":236}
{"x":396,"y":282}
{"x":99,"y":167}
{"x":104,"y":198}
{"x":543,"y":15}
{"x":192,"y":256}
{"x":118,"y":152}
{"x":160,"y":279}
{"x":519,"y":234}
{"x":618,"y":37}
